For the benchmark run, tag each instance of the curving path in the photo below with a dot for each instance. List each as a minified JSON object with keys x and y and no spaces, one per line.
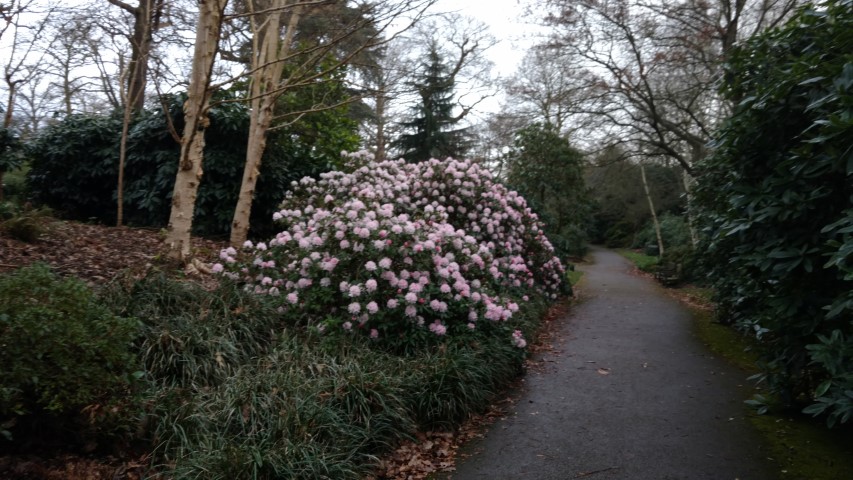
{"x":628,"y":393}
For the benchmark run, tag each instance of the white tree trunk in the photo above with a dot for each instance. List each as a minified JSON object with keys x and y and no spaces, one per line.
{"x":268,"y":51}
{"x":655,"y":221}
{"x":210,"y":15}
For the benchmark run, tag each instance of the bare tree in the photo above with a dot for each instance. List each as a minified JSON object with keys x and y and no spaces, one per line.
{"x":147,"y":16}
{"x":357,"y":32}
{"x":655,"y":65}
{"x":22,"y":60}
{"x":546,"y":89}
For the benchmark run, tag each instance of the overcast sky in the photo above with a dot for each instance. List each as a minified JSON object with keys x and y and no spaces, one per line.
{"x":507,"y":22}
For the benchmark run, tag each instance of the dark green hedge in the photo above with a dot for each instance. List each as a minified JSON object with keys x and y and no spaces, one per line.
{"x":75,"y":165}
{"x":777,"y":200}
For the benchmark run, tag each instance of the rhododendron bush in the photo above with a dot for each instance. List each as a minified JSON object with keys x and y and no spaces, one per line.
{"x":401,"y":252}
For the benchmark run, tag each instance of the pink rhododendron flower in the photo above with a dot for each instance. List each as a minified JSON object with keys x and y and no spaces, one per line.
{"x":467,"y":243}
{"x":437,"y":328}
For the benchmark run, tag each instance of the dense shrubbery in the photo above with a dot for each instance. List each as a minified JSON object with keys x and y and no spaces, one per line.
{"x":75,"y":166}
{"x":61,"y":349}
{"x":548,"y":172}
{"x":403,"y":253}
{"x":777,"y":200}
{"x":232,"y":392}
{"x":620,"y":208}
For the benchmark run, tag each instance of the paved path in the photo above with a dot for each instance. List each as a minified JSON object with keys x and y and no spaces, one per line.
{"x":628,"y":393}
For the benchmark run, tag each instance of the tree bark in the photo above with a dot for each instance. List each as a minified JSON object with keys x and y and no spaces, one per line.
{"x":655,"y":221}
{"x":146,"y":15}
{"x":196,"y":120}
{"x":269,"y":50}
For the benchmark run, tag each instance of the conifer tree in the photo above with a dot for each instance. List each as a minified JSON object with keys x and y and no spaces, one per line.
{"x":431,"y":130}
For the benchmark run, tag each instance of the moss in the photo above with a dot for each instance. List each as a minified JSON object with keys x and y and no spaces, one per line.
{"x":574,"y":276}
{"x":802,"y":447}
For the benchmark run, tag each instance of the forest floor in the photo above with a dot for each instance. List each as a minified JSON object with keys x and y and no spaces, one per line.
{"x":95,"y":253}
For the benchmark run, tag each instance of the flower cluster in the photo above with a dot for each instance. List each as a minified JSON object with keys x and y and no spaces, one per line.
{"x":392,"y":247}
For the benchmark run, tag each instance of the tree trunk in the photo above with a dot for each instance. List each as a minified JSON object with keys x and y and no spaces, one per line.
{"x":196,"y":121}
{"x":269,"y":50}
{"x":7,"y":119}
{"x":655,"y":221}
{"x":145,"y":18}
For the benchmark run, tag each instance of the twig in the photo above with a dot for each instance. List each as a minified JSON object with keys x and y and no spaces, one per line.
{"x":593,"y":472}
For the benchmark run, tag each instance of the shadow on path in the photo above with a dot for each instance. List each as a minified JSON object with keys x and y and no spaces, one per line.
{"x":627,"y":393}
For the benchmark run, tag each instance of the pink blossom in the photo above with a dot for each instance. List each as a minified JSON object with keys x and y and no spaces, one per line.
{"x":370,"y":266}
{"x":354,"y":291}
{"x":347,"y":325}
{"x":392,"y":303}
{"x":372,"y":307}
{"x":518,"y":339}
{"x":411,"y":297}
{"x":217,"y":268}
{"x":293,"y":297}
{"x":354,"y":308}
{"x":437,"y":328}
{"x":374,"y":334}
{"x":385,"y":263}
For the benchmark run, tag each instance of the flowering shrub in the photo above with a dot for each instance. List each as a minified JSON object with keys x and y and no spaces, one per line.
{"x":402,"y":251}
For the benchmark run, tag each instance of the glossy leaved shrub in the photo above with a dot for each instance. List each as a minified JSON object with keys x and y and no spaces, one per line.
{"x":777,"y":205}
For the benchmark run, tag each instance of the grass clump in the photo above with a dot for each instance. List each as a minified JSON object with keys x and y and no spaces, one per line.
{"x":234,"y":390}
{"x":646,"y":263}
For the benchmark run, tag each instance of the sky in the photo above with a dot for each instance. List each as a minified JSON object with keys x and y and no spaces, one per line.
{"x":507,"y":23}
{"x":511,"y":28}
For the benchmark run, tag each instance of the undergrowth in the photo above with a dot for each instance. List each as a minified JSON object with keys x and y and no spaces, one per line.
{"x":232,"y":390}
{"x":644,"y":262}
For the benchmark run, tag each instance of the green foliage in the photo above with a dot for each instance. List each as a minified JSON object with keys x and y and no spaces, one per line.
{"x":61,"y":349}
{"x":433,"y":135}
{"x":10,"y":150}
{"x":545,"y":169}
{"x":646,"y":263}
{"x":673,"y":229}
{"x":620,"y":209}
{"x":23,"y":223}
{"x":75,"y":162}
{"x":232,"y":395}
{"x":777,"y":200}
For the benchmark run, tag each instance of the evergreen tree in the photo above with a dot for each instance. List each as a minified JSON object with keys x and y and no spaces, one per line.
{"x":433,"y":135}
{"x":544,"y":168}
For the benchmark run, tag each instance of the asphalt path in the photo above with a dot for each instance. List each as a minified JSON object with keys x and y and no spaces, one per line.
{"x":627,"y":392}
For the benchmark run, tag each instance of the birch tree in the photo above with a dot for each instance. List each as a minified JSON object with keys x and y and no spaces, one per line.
{"x":361,"y":28}
{"x":209,"y":24}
